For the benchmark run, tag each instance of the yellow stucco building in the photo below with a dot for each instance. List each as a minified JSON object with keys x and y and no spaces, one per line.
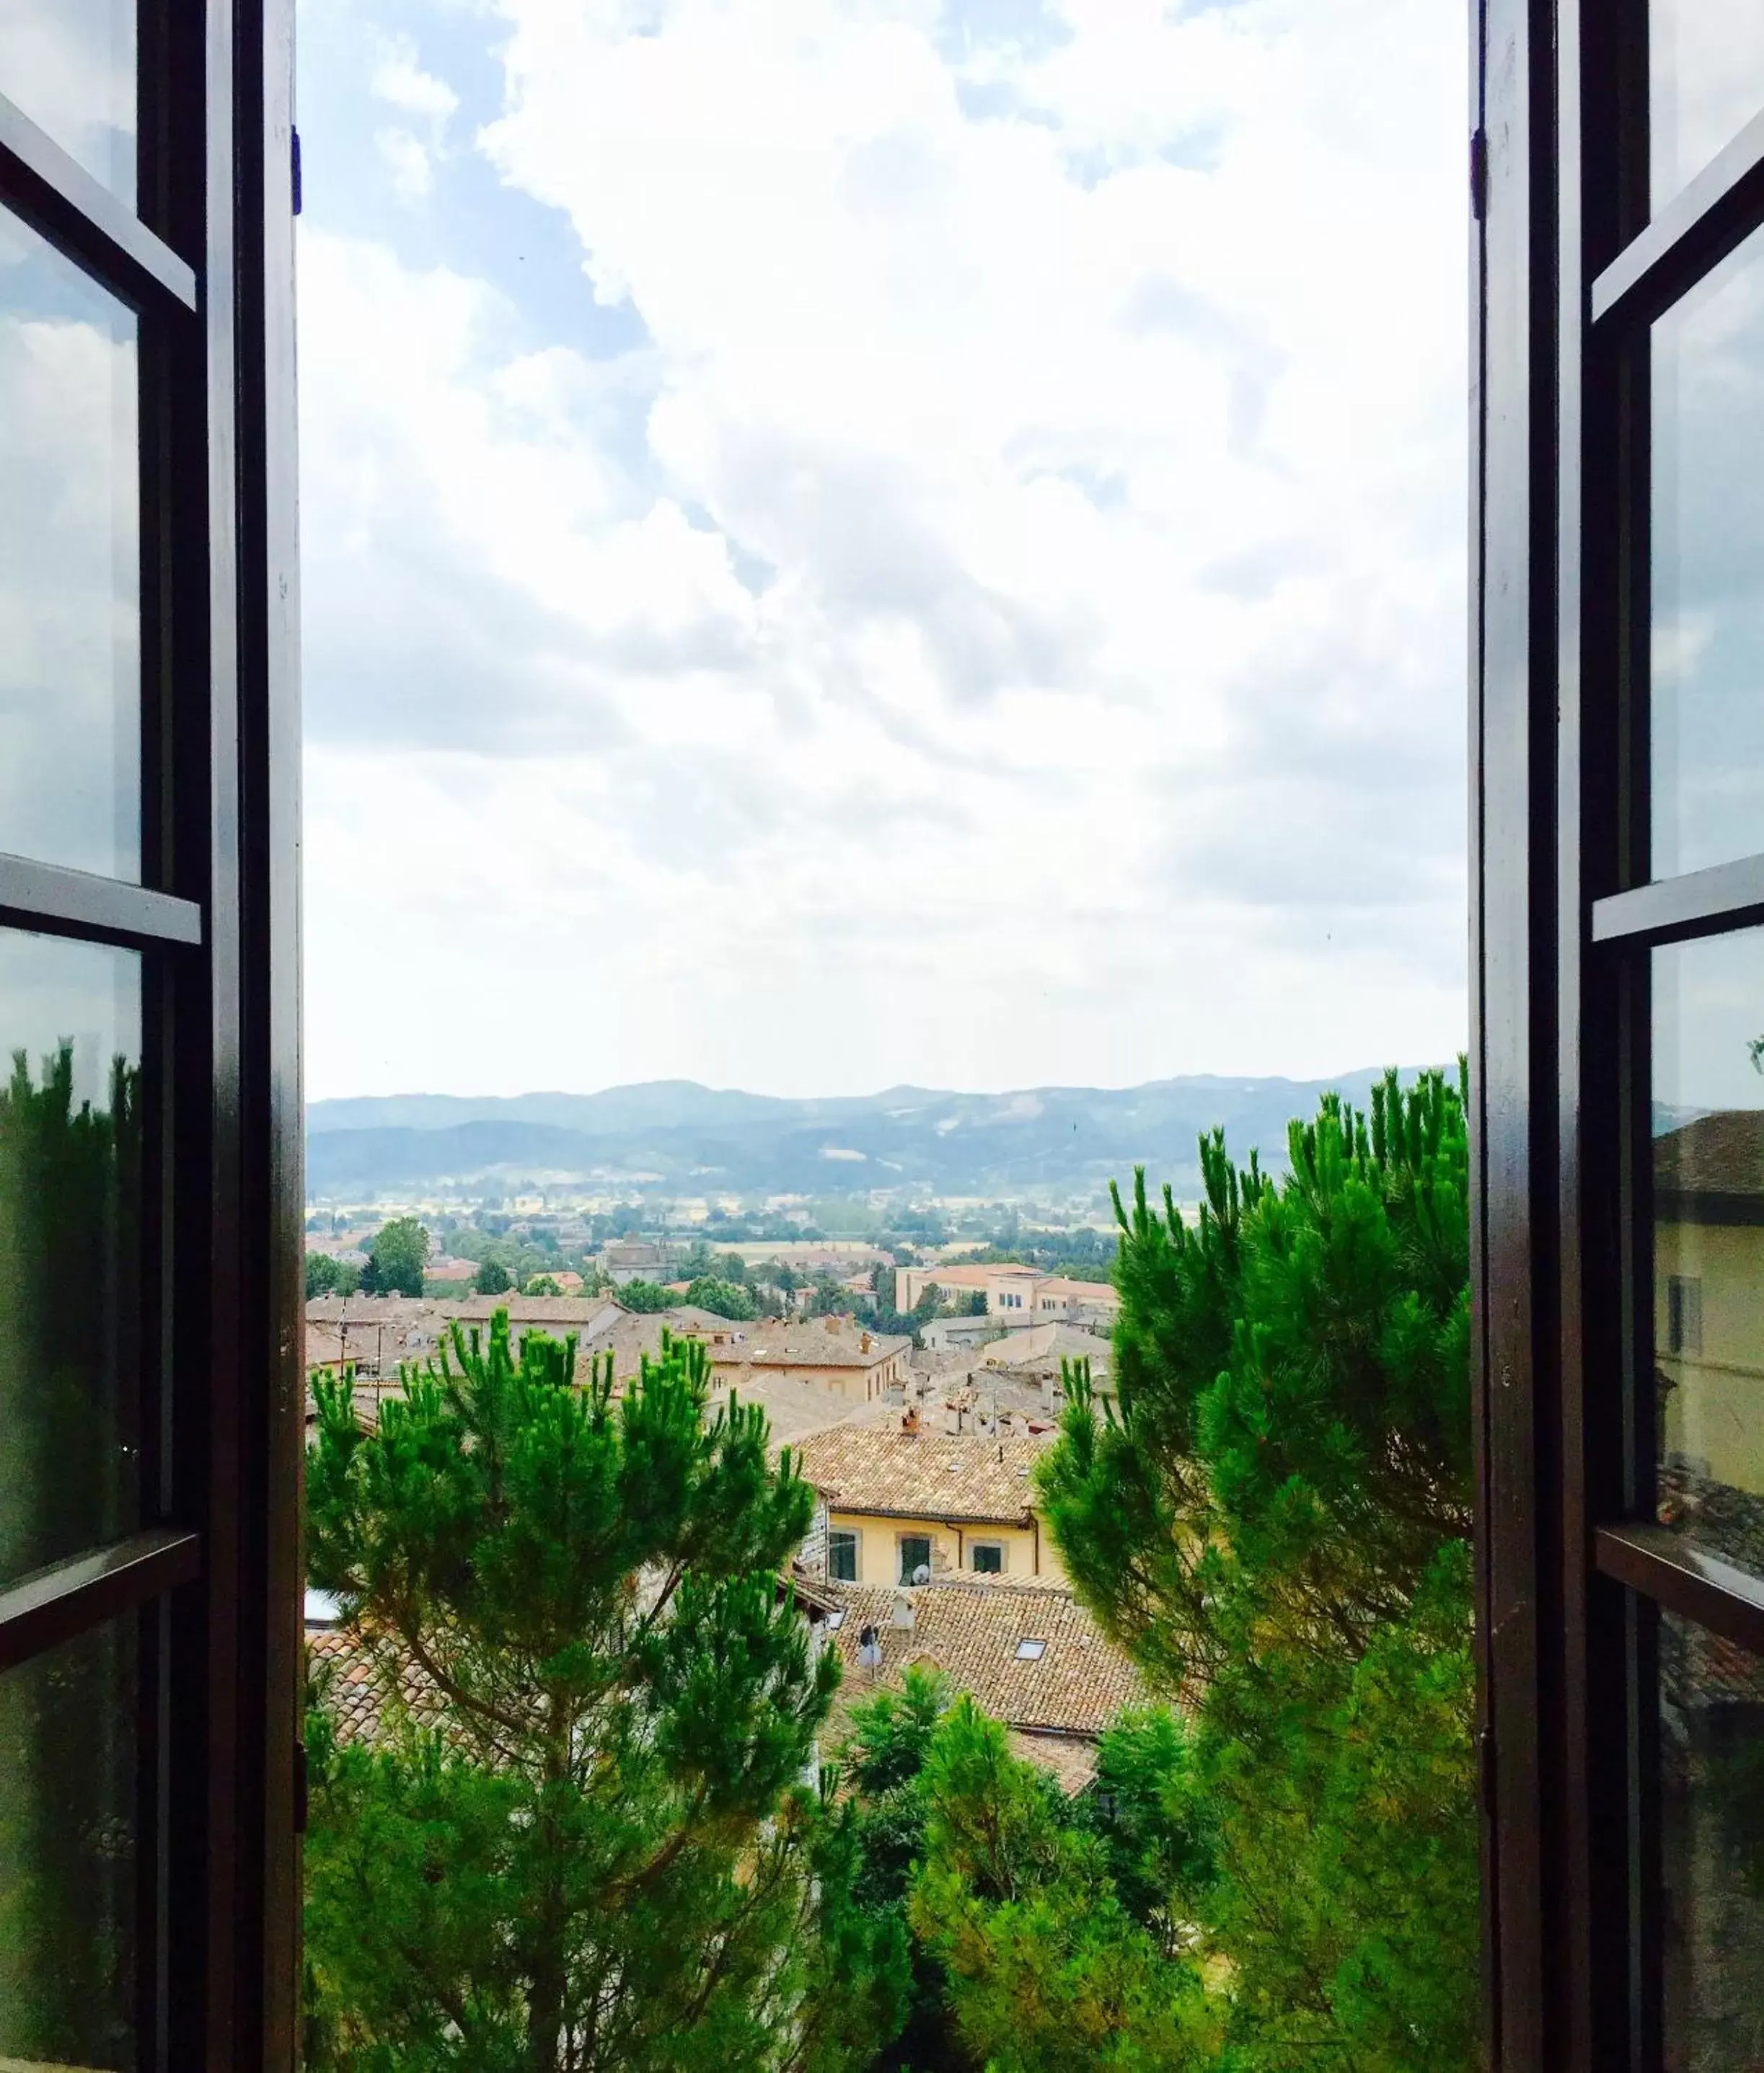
{"x":907,"y":1506}
{"x":1708,"y":1297}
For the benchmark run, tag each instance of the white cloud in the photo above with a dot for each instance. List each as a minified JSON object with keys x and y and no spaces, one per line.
{"x":398,"y":78}
{"x":1005,"y":626}
{"x":408,"y":160}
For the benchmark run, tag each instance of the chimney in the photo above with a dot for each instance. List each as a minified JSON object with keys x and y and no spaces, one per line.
{"x":863,"y":1342}
{"x":833,"y":1325}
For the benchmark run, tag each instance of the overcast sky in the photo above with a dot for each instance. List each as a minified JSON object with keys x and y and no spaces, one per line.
{"x":850,"y":542}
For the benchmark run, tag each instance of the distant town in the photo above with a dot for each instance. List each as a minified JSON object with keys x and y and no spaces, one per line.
{"x":915,"y":1374}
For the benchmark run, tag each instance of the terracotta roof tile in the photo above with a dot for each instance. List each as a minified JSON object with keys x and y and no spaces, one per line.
{"x":355,"y":1684}
{"x":925,"y":1475}
{"x":811,"y":1345}
{"x":972,"y":1632}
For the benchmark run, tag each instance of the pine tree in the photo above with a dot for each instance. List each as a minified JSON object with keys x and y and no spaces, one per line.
{"x":600,"y":1852}
{"x":1276,"y":1524}
{"x":1048,"y":1970}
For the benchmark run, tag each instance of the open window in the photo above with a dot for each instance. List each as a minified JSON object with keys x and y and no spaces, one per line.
{"x":150,"y":1123}
{"x":1618,"y":915}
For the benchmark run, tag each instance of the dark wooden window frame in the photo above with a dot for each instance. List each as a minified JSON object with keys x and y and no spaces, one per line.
{"x":1570,"y":266}
{"x":206,"y":260}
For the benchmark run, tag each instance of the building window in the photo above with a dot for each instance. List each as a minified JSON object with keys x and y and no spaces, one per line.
{"x":915,"y":1559}
{"x":986,"y":1557}
{"x":1031,"y":1651}
{"x":842,"y":1555}
{"x":1683,"y":1313}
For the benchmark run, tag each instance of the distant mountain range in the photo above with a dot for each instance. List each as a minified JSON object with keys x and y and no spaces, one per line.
{"x":675,"y":1137}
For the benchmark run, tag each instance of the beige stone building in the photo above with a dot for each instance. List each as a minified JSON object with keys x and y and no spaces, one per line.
{"x":1016,"y":1297}
{"x":839,"y":1355}
{"x":904,"y":1502}
{"x":1708,"y":1316}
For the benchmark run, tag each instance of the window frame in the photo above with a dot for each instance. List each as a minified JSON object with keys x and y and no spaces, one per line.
{"x":213,"y":1575}
{"x":999,"y":1547}
{"x":927,"y":1541}
{"x":854,"y":1535}
{"x":1569,"y":267}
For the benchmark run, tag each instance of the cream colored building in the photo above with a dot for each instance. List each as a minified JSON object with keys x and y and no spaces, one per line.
{"x":906,"y":1504}
{"x":1016,"y":1297}
{"x":1709,"y":1297}
{"x":840,"y":1355}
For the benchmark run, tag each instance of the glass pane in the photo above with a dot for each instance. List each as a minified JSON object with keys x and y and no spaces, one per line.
{"x":70,"y":556}
{"x":70,"y":65}
{"x":1708,"y":553}
{"x":1709,"y":1240}
{"x":70,"y":1248}
{"x":1712,"y":1851}
{"x":68,"y":1825}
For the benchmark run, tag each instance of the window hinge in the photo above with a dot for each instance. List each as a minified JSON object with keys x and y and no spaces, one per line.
{"x":1478,"y":174}
{"x":299,"y":1788}
{"x":294,"y":167}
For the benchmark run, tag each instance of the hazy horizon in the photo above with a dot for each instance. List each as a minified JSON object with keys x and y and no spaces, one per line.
{"x":850,"y":1093}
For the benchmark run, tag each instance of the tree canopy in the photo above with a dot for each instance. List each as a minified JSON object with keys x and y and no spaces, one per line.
{"x":397,"y":1255}
{"x":327,"y":1276}
{"x":726,"y":1298}
{"x":599,"y":1851}
{"x":492,"y":1278}
{"x":1273,"y":1520}
{"x":647,"y":1296}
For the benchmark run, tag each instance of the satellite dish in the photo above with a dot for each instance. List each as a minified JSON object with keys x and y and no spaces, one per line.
{"x":922,"y":1574}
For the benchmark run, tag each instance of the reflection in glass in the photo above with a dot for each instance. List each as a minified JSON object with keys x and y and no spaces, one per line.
{"x":70,"y":65}
{"x":70,"y":1248}
{"x":1705,"y":83}
{"x":1707,"y":570}
{"x":1712,"y":1851}
{"x":67,"y":1828}
{"x":70,"y":577}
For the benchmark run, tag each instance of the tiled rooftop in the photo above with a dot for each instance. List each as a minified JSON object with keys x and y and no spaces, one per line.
{"x":356,"y":1687}
{"x":926,"y":1475}
{"x":973,"y":1632}
{"x":813,"y":1345}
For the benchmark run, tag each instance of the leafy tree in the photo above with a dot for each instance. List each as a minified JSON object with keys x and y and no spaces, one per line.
{"x":1275,"y":1525}
{"x":542,"y":1284}
{"x":973,"y":1303}
{"x":647,"y":1296}
{"x":885,"y":1286}
{"x":784,"y":1277}
{"x":831,"y":1298}
{"x":699,"y":1261}
{"x":396,"y":1258}
{"x":492,"y":1278}
{"x":326,"y":1276}
{"x":600,"y":1855}
{"x":727,"y":1299}
{"x":731,"y":1266}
